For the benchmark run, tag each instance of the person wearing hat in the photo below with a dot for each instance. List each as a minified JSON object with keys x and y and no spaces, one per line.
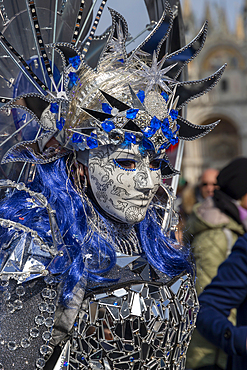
{"x":212,"y":229}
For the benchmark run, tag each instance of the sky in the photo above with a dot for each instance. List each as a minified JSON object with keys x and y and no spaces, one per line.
{"x":233,"y":8}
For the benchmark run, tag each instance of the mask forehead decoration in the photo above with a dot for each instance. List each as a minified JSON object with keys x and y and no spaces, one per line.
{"x":113,"y":98}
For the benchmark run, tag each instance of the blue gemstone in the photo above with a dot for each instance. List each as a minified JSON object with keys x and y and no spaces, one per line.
{"x":155,"y":123}
{"x":82,"y":358}
{"x":131,"y":359}
{"x":141,"y":95}
{"x":163,"y":146}
{"x":92,"y":143}
{"x":148,"y":131}
{"x":130,"y":138}
{"x":147,"y":144}
{"x":115,"y":303}
{"x":131,"y":113}
{"x":65,"y":364}
{"x":60,"y":123}
{"x":174,"y":114}
{"x":107,"y":125}
{"x":77,"y":138}
{"x":174,"y":140}
{"x":121,"y":60}
{"x":75,"y":324}
{"x":106,"y":108}
{"x":73,"y":78}
{"x":75,"y":61}
{"x":54,"y":108}
{"x":165,"y":95}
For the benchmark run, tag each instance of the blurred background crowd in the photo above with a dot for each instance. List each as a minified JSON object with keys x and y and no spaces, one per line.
{"x":212,"y":190}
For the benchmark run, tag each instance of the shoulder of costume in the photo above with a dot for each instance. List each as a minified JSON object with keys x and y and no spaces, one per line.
{"x":25,"y":255}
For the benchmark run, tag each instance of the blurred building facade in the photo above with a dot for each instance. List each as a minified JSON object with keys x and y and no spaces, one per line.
{"x":227,"y":101}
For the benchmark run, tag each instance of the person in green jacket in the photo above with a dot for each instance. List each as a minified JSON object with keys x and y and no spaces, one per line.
{"x":212,"y":229}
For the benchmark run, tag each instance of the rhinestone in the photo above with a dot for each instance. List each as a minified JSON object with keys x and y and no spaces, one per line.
{"x":11,"y":308}
{"x":12,"y":345}
{"x":4,"y":283}
{"x":6,"y":295}
{"x":34,"y":332}
{"x":40,"y":363}
{"x":53,"y":294}
{"x":25,"y":343}
{"x":20,"y":290}
{"x":39,"y":320}
{"x":45,"y":350}
{"x":18,"y":304}
{"x":49,"y":322}
{"x":43,"y":306}
{"x":45,"y":293}
{"x":1,"y":367}
{"x":46,"y":335}
{"x":51,"y":308}
{"x":20,"y":186}
{"x":49,"y":279}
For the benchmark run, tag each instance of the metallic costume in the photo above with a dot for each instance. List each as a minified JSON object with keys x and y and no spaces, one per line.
{"x":112,"y":290}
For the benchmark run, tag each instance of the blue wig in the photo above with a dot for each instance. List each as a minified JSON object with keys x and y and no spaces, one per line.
{"x":72,"y":213}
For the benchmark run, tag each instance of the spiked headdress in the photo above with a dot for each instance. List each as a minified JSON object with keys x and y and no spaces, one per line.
{"x":131,"y":98}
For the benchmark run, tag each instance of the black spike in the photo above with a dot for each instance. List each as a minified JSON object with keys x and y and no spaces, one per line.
{"x":159,"y":34}
{"x":183,"y":56}
{"x":100,"y":116}
{"x":190,"y":90}
{"x":131,"y":126}
{"x":115,"y":103}
{"x":167,"y":170}
{"x":188,"y":131}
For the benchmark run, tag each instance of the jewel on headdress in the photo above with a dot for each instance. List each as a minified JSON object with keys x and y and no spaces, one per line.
{"x":174,"y":114}
{"x":130,"y":138}
{"x":77,"y":138}
{"x":92,"y":141}
{"x":107,"y":125}
{"x":73,"y":79}
{"x":54,"y":108}
{"x":106,"y":108}
{"x":148,"y":131}
{"x":155,"y":123}
{"x":131,"y":113}
{"x":75,"y":61}
{"x":116,"y":136}
{"x":141,"y":95}
{"x":165,"y":96}
{"x":60,"y":123}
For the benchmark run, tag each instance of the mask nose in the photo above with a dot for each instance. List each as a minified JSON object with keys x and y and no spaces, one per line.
{"x":144,"y":181}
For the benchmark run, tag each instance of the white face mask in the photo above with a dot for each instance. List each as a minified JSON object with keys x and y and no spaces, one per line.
{"x":123,"y":181}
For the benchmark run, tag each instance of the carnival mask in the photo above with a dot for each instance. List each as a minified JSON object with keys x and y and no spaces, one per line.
{"x":123,"y":181}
